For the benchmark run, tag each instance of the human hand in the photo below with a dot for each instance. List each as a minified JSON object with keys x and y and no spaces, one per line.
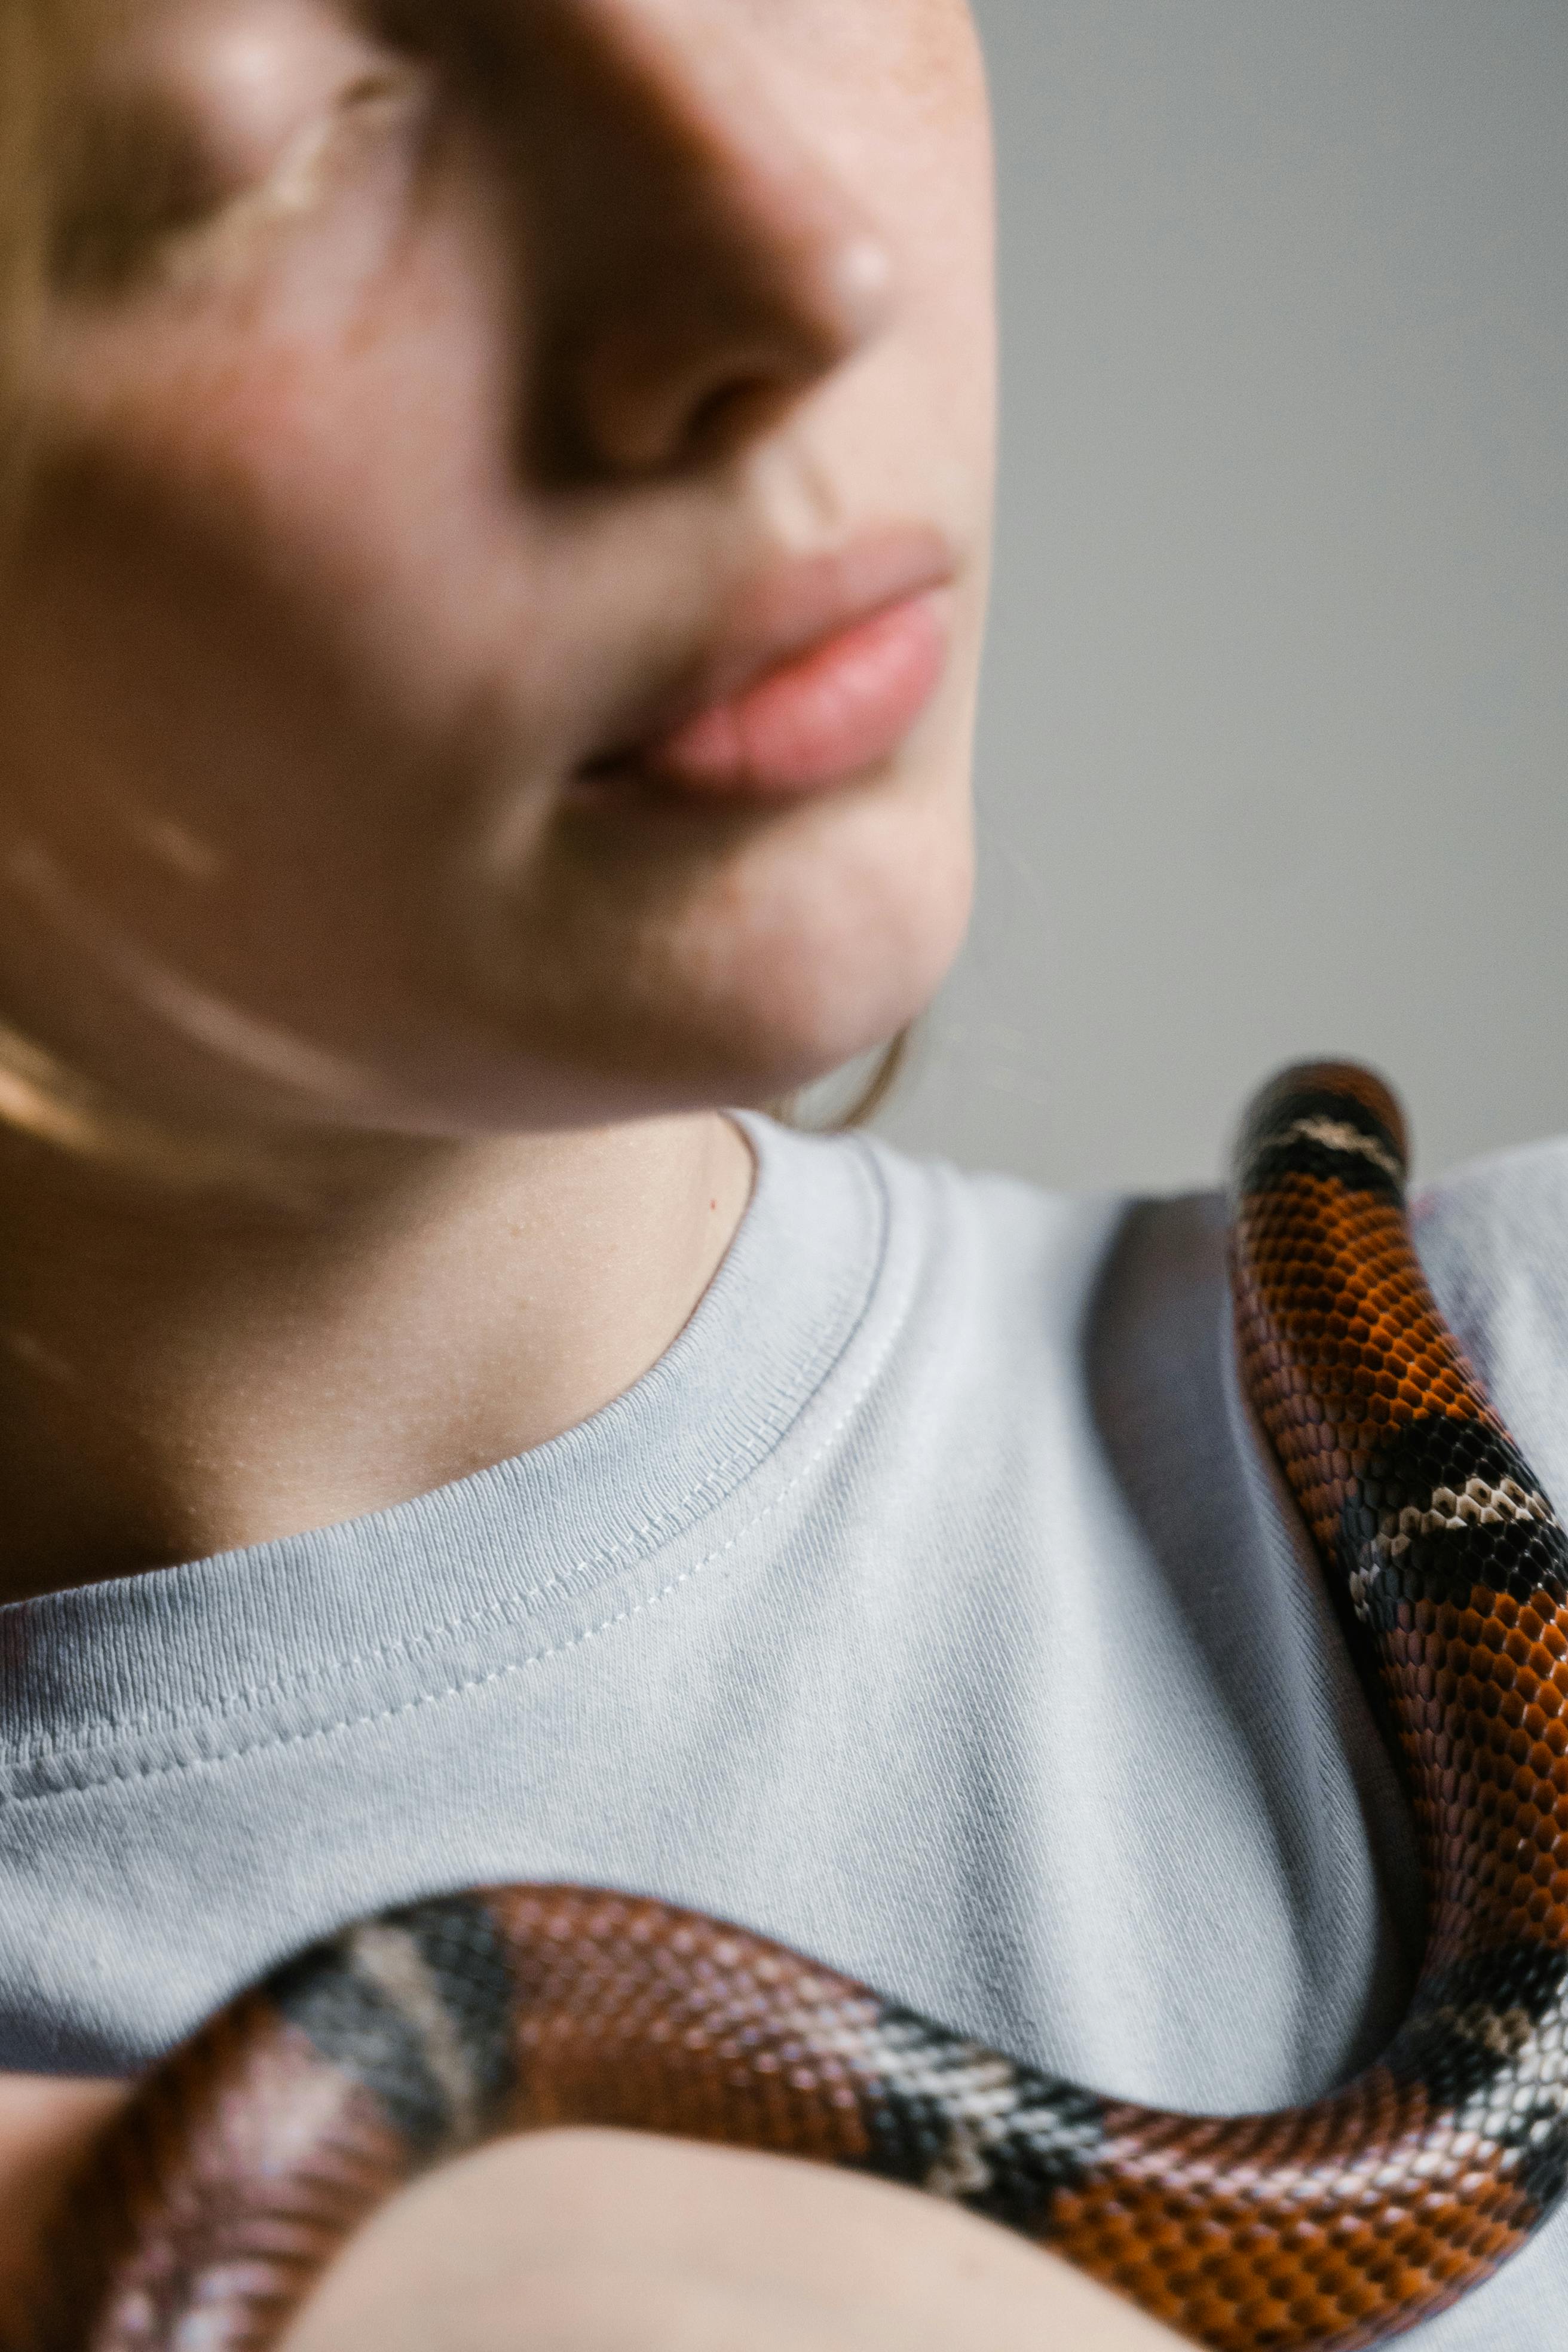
{"x":607,"y":2241}
{"x":45,"y":2128}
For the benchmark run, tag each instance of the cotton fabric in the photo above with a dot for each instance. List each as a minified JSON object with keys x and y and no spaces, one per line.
{"x":933,"y":1606}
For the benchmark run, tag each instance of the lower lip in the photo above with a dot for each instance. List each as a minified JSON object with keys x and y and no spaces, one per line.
{"x":819,"y":722}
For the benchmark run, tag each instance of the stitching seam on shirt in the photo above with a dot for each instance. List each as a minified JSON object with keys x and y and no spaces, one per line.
{"x":723,"y":1479}
{"x":472,"y":1684}
{"x":749,"y":1452}
{"x":745,"y":1458}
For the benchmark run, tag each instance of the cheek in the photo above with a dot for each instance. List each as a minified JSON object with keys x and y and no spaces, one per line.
{"x":259,"y":581}
{"x":244,"y":660}
{"x":195,"y":765}
{"x":334,"y":440}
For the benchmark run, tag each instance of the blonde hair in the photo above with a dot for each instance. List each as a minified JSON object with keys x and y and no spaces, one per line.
{"x":25,"y":89}
{"x":41,"y":1095}
{"x":41,"y":41}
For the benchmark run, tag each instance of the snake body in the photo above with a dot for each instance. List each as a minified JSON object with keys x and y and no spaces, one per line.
{"x":208,"y":2209}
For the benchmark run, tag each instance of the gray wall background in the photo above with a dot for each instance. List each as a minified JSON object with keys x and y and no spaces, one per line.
{"x":1276,"y":729}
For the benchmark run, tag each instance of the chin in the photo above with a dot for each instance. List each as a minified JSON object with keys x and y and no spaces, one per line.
{"x":835,"y":955}
{"x":632,"y":972}
{"x":796,"y":1018}
{"x":752,"y":1006}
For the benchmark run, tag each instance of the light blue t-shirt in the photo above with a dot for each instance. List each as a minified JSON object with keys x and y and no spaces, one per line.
{"x":929,"y":1607}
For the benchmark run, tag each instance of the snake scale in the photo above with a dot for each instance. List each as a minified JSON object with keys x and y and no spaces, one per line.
{"x":210,"y":2208}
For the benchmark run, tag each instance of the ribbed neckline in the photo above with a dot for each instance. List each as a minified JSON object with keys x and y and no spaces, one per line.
{"x":85,"y":1666}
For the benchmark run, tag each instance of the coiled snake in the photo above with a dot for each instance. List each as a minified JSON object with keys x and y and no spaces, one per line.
{"x":211,"y":2206}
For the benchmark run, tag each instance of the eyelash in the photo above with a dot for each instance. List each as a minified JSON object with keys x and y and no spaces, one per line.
{"x":153,"y":203}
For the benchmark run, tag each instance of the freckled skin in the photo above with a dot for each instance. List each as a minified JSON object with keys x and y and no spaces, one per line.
{"x":414,"y":404}
{"x":411,"y":411}
{"x":376,"y":495}
{"x":423,"y":408}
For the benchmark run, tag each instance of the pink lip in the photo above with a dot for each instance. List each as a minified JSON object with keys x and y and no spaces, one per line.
{"x":818,"y":720}
{"x":826,"y":669}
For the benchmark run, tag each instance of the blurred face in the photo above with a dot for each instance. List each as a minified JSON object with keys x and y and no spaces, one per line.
{"x":492,"y":642}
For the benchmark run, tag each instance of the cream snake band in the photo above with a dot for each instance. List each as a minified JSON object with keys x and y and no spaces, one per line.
{"x":215,"y":2201}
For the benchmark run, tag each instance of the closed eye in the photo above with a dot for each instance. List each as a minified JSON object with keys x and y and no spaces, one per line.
{"x":159,"y":168}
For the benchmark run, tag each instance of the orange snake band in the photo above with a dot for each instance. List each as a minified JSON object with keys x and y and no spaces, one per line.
{"x":215,"y":2201}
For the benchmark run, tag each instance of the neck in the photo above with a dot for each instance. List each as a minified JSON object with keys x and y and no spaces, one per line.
{"x":180,"y":1376}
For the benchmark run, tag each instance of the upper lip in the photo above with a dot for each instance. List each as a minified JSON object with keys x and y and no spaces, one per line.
{"x":779,"y":615}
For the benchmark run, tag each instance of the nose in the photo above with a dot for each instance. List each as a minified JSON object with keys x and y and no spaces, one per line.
{"x":704,"y":266}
